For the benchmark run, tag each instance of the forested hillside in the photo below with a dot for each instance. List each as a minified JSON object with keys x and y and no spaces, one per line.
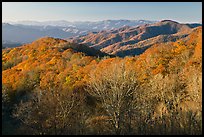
{"x":52,"y":86}
{"x":134,"y":40}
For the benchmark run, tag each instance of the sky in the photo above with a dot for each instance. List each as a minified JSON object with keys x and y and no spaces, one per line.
{"x":184,"y":12}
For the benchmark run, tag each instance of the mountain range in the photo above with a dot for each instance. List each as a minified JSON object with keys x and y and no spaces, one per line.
{"x":28,"y":31}
{"x":95,"y":25}
{"x":134,"y":40}
{"x":113,"y":37}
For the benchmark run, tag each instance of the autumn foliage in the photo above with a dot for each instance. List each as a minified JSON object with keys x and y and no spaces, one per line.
{"x":68,"y":91}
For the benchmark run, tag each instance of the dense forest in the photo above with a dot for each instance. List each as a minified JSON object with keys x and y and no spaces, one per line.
{"x":55,"y":87}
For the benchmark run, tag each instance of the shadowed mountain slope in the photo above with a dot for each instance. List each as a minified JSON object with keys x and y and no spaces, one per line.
{"x":134,"y":40}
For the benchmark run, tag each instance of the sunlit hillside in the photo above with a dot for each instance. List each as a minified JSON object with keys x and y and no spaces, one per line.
{"x":52,"y":86}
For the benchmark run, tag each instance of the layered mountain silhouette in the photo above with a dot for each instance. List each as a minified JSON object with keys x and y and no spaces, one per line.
{"x":135,"y":40}
{"x":88,"y":25}
{"x":114,"y":37}
{"x":28,"y":31}
{"x":26,"y":34}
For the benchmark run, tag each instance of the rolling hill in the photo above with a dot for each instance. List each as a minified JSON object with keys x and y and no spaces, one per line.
{"x":135,"y":40}
{"x":53,"y":80}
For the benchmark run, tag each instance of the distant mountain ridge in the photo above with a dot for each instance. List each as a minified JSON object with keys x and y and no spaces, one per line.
{"x":28,"y":31}
{"x":97,"y":25}
{"x":26,"y":34}
{"x":115,"y":37}
{"x":135,"y":40}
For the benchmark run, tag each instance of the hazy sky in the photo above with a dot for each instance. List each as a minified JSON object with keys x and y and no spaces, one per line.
{"x":94,"y":11}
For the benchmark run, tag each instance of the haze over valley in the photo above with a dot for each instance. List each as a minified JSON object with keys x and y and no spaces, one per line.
{"x":28,"y":31}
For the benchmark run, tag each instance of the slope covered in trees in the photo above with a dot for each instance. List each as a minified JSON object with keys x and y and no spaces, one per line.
{"x":136,"y":39}
{"x":51,"y":87}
